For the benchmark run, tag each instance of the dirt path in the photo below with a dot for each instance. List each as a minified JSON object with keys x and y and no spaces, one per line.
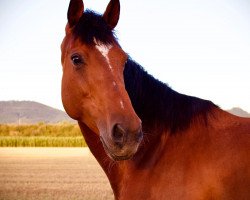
{"x":51,"y":173}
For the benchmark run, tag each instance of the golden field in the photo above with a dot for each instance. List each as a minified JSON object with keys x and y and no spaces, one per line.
{"x":41,"y":135}
{"x":51,"y":173}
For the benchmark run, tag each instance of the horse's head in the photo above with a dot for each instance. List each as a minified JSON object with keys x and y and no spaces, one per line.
{"x":93,"y":90}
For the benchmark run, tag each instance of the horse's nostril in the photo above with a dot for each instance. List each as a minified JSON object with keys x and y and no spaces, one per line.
{"x":118,"y":135}
{"x":121,"y":137}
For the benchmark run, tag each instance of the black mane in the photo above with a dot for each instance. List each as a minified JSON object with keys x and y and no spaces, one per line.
{"x":92,"y":25}
{"x":158,"y":105}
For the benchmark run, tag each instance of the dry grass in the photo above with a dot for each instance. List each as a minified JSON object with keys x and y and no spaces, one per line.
{"x":51,"y":173}
{"x":42,"y":141}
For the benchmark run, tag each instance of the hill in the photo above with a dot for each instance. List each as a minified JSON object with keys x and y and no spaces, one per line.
{"x":239,"y":112}
{"x":30,"y":112}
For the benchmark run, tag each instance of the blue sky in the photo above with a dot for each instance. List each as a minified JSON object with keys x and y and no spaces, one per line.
{"x":198,"y":47}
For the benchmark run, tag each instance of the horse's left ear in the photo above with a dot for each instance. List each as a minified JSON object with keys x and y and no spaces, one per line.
{"x":112,"y":13}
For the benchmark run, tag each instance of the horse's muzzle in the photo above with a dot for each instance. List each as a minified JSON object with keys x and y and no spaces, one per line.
{"x":122,"y":144}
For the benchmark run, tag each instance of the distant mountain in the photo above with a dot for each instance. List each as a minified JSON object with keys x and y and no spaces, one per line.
{"x":30,"y":112}
{"x":24,"y":112}
{"x":239,"y":112}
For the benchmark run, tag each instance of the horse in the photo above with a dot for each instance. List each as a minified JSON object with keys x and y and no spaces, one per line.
{"x":152,"y":142}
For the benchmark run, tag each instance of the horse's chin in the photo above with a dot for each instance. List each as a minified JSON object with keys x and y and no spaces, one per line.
{"x":121,"y":158}
{"x":115,"y":154}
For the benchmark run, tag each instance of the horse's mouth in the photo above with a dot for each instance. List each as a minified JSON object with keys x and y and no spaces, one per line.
{"x":116,"y":156}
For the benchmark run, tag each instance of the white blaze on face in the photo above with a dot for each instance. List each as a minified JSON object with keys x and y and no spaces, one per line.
{"x":122,"y":105}
{"x":104,"y":50}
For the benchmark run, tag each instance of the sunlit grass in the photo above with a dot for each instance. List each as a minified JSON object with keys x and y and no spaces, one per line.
{"x":41,"y":141}
{"x":41,"y":135}
{"x":40,"y":129}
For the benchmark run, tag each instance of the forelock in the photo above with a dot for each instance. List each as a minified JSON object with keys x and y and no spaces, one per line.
{"x":92,"y":26}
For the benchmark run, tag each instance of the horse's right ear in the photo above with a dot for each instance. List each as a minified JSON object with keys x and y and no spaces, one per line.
{"x":75,"y":11}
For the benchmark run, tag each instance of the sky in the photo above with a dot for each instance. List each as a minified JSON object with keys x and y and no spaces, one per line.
{"x":198,"y":47}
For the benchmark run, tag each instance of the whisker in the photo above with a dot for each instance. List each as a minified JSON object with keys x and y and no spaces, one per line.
{"x":111,"y":165}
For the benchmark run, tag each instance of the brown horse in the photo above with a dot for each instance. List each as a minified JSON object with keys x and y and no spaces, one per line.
{"x":152,"y":142}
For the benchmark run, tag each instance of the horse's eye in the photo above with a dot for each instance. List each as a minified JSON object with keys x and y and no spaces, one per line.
{"x":77,"y":60}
